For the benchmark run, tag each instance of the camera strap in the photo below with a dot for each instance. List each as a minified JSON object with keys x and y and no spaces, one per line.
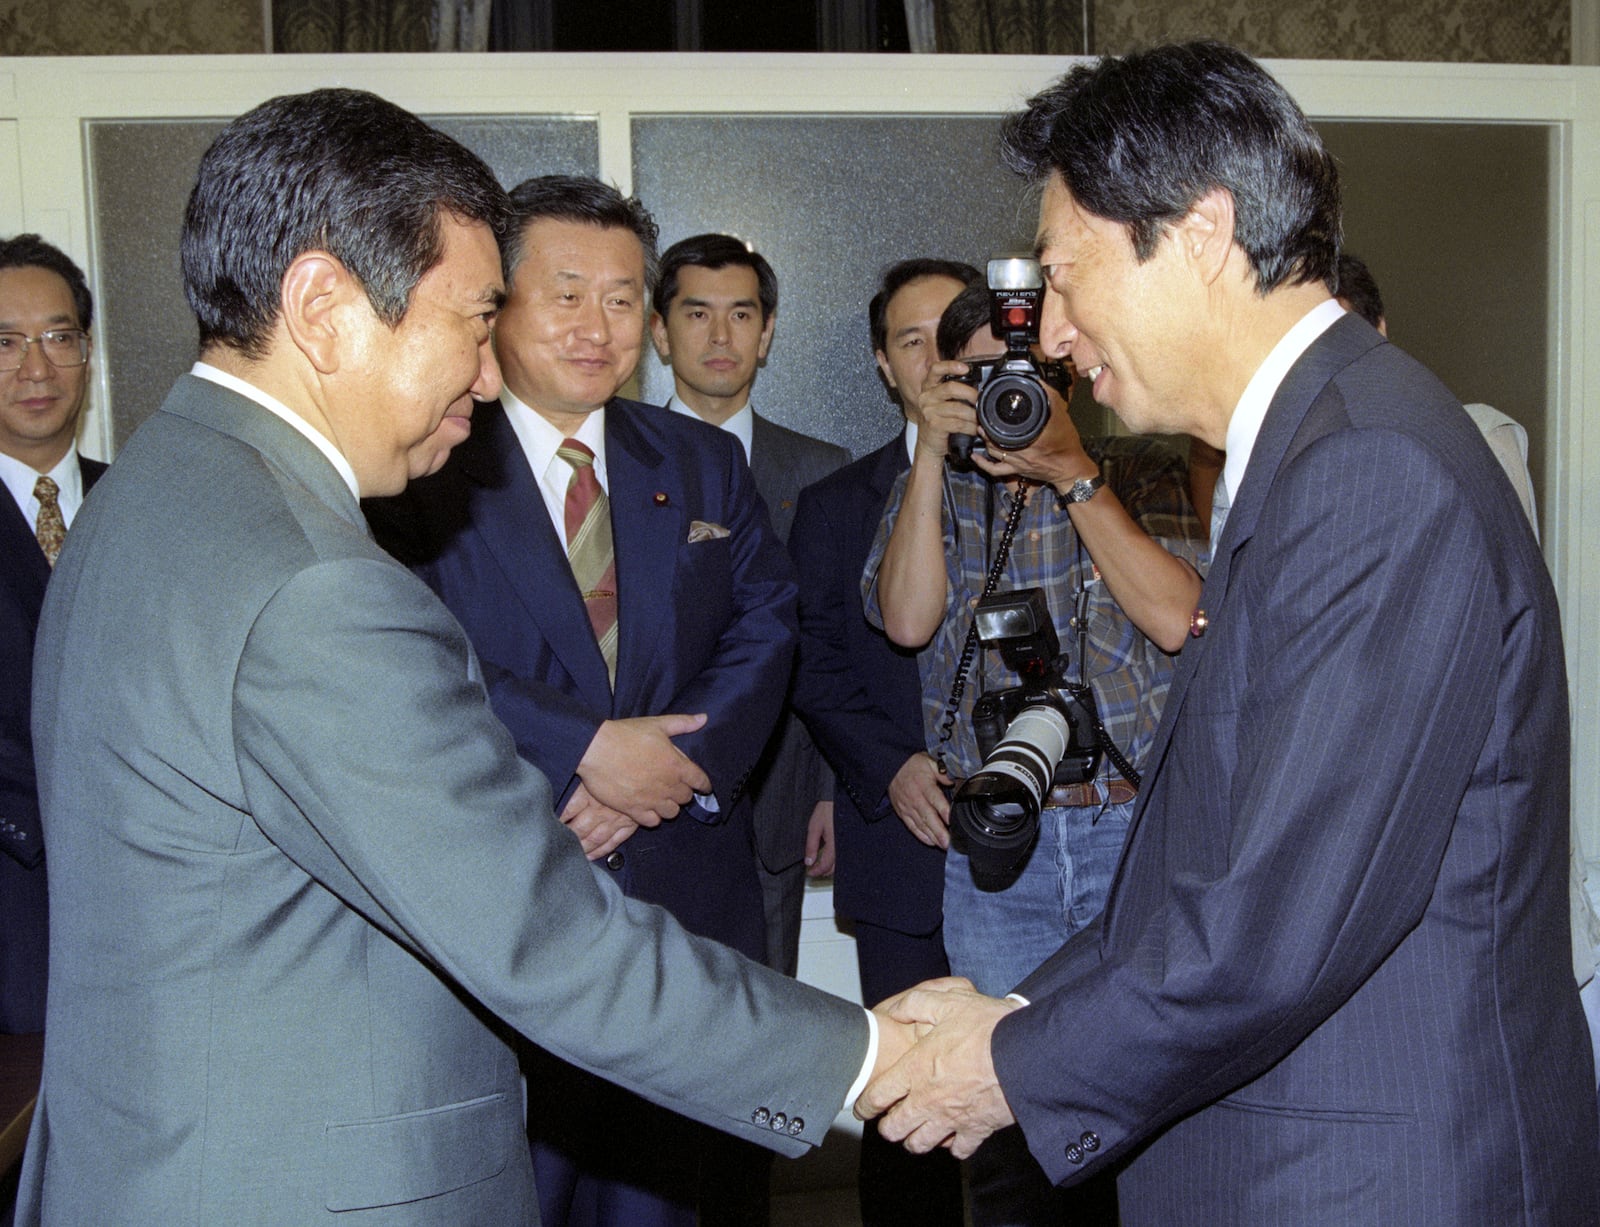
{"x":997,"y":566}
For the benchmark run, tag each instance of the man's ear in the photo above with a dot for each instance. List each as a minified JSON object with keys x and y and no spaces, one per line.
{"x":1205,"y":233}
{"x":766,"y":337}
{"x":883,"y":369}
{"x":313,"y":300}
{"x":658,"y":337}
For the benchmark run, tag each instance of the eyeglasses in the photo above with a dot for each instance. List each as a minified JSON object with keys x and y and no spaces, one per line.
{"x":62,"y":346}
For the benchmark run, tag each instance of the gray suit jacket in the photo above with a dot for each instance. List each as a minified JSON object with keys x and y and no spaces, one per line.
{"x":792,"y":776}
{"x":1332,"y":980}
{"x":298,"y":870}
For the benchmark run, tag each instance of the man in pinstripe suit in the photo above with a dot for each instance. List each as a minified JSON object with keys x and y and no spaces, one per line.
{"x":1332,"y":982}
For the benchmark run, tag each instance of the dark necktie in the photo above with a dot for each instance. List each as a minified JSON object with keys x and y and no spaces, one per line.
{"x":51,"y":529}
{"x":589,"y":548}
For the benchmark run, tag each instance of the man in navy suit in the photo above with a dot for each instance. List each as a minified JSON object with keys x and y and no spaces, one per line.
{"x":45,"y":315}
{"x":862,"y":699}
{"x":714,"y":305}
{"x":1332,"y":981}
{"x":648,"y":716}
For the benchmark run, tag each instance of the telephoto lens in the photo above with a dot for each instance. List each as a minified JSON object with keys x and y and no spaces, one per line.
{"x":995,"y":813}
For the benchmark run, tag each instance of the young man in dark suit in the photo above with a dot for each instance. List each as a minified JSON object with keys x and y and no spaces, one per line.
{"x":1333,"y":978}
{"x":861,"y":698}
{"x":713,"y":307}
{"x":46,"y":312}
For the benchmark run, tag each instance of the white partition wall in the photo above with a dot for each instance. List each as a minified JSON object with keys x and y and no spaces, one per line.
{"x":837,"y":165}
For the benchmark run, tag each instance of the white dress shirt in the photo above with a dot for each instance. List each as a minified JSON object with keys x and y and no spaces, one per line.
{"x":539,"y":440}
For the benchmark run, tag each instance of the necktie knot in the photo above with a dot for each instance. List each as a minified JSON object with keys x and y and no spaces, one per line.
{"x":576,"y":454}
{"x":51,"y":529}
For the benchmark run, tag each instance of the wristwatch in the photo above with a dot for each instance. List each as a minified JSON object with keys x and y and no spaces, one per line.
{"x":1082,"y":490}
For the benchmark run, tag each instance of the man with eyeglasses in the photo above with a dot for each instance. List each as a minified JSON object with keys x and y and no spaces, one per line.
{"x":45,"y":313}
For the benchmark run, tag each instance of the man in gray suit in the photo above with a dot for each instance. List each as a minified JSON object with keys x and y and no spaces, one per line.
{"x":1333,"y":980}
{"x":715,"y":302}
{"x":302,"y":884}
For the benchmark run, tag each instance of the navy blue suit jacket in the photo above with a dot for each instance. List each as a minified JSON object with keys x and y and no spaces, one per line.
{"x":706,"y":626}
{"x":23,"y":901}
{"x":861,"y":697}
{"x":1333,"y":982}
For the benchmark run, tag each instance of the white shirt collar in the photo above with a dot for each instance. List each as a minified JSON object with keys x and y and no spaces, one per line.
{"x":741,"y":425}
{"x":20,"y":478}
{"x":911,"y":440}
{"x":1251,"y":411}
{"x":204,"y":370}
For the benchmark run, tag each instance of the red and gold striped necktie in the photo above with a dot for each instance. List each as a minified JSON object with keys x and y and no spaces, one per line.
{"x":589,"y":548}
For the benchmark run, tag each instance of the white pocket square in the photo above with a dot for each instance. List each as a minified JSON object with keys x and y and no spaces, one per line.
{"x":705,"y":530}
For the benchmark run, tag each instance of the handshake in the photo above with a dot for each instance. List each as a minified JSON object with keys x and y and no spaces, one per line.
{"x":933,"y":1083}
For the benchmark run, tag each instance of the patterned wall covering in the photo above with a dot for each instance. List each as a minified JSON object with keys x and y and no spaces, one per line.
{"x":130,"y":27}
{"x":1492,"y":31}
{"x":1487,"y":31}
{"x":351,"y":25}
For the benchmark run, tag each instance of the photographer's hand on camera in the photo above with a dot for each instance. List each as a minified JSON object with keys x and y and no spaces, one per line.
{"x":945,"y":407}
{"x":1056,"y":458}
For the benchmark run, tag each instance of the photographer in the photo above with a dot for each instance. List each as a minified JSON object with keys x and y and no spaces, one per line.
{"x":1107,"y":528}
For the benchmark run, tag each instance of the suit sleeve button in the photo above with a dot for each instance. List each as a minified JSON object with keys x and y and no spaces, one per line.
{"x":1090,"y":1141}
{"x":780,"y":1122}
{"x":616,"y":860}
{"x":1074,"y":1154}
{"x":797,"y":1126}
{"x":760,"y":1116}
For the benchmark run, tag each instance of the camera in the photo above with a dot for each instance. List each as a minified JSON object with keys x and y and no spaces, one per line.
{"x":1013,"y":405}
{"x":1033,"y":736}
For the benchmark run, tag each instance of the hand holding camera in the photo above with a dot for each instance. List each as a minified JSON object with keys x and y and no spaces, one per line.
{"x":1013,"y":388}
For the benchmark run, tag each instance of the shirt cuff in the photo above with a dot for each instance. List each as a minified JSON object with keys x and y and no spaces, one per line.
{"x":860,"y":1084}
{"x":1018,"y":998}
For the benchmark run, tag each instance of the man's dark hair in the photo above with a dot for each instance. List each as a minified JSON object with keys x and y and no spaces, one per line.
{"x":713,"y":251}
{"x":583,"y":199}
{"x":31,"y":251}
{"x":968,"y":314}
{"x":1358,"y":288}
{"x":335,"y":170}
{"x":1140,"y":138}
{"x":900,"y":275}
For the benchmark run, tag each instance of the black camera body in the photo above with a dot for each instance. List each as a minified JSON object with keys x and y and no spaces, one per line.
{"x":1033,"y":736}
{"x":1013,"y":403}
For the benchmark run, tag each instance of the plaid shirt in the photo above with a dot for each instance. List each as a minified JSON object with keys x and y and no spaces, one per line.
{"x":1128,"y":673}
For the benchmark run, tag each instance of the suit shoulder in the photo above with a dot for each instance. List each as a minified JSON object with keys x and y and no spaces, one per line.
{"x":671,"y":433}
{"x":809,"y":447}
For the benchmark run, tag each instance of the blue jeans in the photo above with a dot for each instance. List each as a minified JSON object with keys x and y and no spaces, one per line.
{"x":996,"y":937}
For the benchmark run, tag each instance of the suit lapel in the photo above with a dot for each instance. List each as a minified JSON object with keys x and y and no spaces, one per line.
{"x":767,"y":456}
{"x":1343,"y":342}
{"x":889,"y":462}
{"x":26,"y":570}
{"x":649,"y":528}
{"x":509,"y":517}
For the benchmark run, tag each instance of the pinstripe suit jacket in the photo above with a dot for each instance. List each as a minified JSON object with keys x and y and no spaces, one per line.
{"x":1332,"y":981}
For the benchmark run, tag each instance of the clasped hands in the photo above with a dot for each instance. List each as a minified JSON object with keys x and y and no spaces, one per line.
{"x":934,"y":1082}
{"x":633,"y":775}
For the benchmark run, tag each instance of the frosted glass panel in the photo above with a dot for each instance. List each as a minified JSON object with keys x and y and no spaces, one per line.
{"x":830,"y":201}
{"x":140,"y":176}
